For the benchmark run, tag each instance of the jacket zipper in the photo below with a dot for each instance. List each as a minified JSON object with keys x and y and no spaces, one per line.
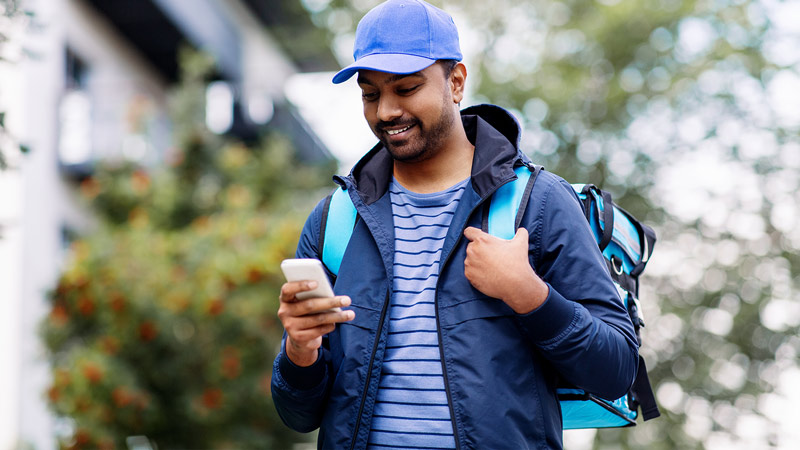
{"x":439,"y":327}
{"x":441,"y":348}
{"x":444,"y":375}
{"x":369,"y":371}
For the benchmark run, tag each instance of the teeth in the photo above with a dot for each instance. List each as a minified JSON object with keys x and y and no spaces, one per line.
{"x":393,"y":132}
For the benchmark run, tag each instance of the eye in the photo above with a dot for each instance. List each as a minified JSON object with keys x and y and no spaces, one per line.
{"x":405,"y":91}
{"x":369,"y":96}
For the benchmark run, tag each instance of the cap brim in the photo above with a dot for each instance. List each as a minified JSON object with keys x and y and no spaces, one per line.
{"x":384,"y":62}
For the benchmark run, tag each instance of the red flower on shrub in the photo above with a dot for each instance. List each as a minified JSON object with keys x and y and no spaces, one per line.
{"x":86,"y":306}
{"x":117,"y":302}
{"x":254,"y":275}
{"x":147,"y":331}
{"x":59,"y":315}
{"x":53,"y":394}
{"x":215,"y":307}
{"x":212,"y":398}
{"x":82,"y":438}
{"x":231,"y":363}
{"x":90,"y":188}
{"x":121,"y":397}
{"x":92,"y":373}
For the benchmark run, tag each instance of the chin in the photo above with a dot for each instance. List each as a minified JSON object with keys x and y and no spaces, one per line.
{"x":407,"y":155}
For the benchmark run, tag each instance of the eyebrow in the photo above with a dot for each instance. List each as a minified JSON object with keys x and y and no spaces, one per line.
{"x":396,"y":77}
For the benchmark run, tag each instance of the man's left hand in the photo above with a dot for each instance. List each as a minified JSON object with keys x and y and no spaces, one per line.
{"x":500,"y":268}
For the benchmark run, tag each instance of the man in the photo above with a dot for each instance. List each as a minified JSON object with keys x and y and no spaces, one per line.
{"x":449,"y":337}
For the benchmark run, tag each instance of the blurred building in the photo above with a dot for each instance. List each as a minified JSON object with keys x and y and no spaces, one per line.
{"x":93,"y":86}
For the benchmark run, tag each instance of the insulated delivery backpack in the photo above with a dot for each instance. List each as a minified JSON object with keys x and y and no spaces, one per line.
{"x":626,"y":245}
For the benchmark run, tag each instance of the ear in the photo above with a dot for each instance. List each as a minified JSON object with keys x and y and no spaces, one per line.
{"x":458,"y":79}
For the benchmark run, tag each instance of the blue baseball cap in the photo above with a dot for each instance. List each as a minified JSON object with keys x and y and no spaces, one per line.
{"x":402,"y":36}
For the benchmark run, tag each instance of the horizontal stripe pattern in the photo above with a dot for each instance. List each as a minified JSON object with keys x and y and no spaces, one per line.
{"x":411,"y":410}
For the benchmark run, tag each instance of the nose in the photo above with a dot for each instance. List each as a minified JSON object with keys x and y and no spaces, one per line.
{"x":388,"y":108}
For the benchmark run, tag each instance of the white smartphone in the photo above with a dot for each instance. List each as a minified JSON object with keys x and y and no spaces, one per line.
{"x":308,"y":269}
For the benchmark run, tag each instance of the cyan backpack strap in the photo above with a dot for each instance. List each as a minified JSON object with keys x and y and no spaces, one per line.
{"x":338,"y":220}
{"x":589,"y":192}
{"x":509,"y":201}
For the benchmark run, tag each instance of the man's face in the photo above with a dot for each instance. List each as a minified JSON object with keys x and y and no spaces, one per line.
{"x":412,"y":115}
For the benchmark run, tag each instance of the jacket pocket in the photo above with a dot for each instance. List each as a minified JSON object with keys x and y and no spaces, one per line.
{"x":351,"y":344}
{"x":366,"y":318}
{"x":476,"y":308}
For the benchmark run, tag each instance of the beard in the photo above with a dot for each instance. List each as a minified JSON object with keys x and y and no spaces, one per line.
{"x":426,"y":140}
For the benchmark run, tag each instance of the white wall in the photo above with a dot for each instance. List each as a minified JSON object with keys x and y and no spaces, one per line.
{"x":10,"y":242}
{"x":36,"y":201}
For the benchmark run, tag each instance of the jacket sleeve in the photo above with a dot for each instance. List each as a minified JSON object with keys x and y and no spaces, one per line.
{"x":582,"y":328}
{"x":300,"y":393}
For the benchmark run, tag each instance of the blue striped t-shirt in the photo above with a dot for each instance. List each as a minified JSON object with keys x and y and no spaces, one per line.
{"x":411,"y":411}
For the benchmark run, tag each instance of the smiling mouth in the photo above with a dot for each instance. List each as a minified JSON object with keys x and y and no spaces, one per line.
{"x":398,"y":131}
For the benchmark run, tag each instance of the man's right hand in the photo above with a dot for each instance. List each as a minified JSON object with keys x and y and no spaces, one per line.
{"x":306,"y":321}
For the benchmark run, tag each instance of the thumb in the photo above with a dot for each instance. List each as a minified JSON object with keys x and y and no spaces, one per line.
{"x":521,"y":236}
{"x":473,"y":233}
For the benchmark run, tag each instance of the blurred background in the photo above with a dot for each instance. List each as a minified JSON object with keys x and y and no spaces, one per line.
{"x":158,"y":158}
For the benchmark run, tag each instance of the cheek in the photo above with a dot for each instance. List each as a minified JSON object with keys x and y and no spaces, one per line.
{"x":369,"y":114}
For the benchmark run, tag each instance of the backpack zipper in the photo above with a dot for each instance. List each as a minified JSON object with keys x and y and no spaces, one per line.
{"x":369,"y":371}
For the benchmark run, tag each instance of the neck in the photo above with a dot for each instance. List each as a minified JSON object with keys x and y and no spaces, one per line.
{"x":449,"y":165}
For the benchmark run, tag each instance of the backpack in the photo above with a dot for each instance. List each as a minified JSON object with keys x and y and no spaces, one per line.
{"x":626,"y":245}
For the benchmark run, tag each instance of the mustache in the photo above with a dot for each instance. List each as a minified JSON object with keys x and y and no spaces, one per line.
{"x":381,"y":126}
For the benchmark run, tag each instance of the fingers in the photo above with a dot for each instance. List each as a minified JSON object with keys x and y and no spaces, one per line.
{"x":306,"y":321}
{"x":290,"y":289}
{"x":311,"y":306}
{"x":305,"y":332}
{"x":305,"y":328}
{"x":473,"y":233}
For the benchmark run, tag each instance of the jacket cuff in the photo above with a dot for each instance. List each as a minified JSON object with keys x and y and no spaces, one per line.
{"x":301,"y":378}
{"x":550,"y":320}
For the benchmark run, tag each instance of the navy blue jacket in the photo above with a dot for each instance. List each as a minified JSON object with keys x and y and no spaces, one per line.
{"x":500,"y":368}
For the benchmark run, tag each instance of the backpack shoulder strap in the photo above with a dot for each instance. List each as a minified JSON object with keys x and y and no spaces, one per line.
{"x":338,"y":220}
{"x":509,"y":201}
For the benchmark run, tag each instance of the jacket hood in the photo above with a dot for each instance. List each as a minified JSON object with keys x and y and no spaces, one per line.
{"x":499,"y":118}
{"x":493,"y":131}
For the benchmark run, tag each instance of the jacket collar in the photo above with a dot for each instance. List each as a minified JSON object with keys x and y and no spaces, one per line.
{"x":492,"y":130}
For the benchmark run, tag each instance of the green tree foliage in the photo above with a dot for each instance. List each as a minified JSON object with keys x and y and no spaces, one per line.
{"x":11,"y":15}
{"x":686,"y":110}
{"x":163,"y":322}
